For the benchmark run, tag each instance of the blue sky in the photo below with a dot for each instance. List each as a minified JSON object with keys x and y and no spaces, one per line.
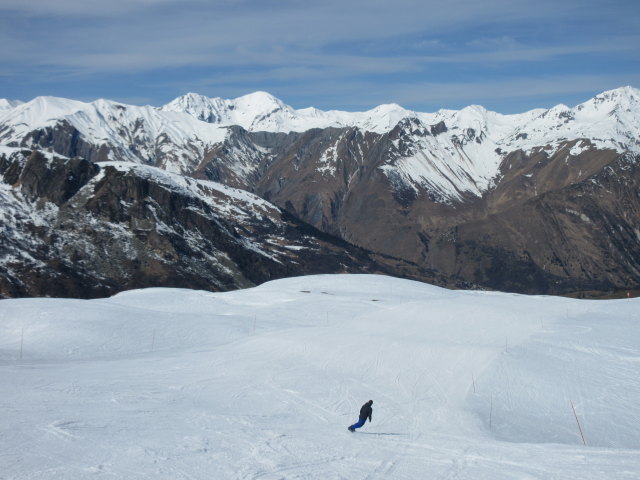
{"x":507,"y":55}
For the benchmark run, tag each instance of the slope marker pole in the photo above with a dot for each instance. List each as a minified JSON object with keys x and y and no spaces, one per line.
{"x":473,"y":380}
{"x":578,"y":422}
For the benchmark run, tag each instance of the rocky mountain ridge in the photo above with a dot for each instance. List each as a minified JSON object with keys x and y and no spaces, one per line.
{"x":76,"y":228}
{"x":460,"y":193}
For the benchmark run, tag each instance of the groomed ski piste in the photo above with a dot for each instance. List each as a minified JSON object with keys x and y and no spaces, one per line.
{"x":262,"y":383}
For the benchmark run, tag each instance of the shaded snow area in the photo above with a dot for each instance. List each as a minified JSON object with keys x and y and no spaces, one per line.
{"x":262,"y":383}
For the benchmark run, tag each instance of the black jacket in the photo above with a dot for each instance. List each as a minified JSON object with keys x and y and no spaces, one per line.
{"x":366,"y":411}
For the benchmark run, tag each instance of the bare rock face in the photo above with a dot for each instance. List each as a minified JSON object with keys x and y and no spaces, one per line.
{"x":578,"y":235}
{"x":64,"y":139}
{"x":79,"y":229}
{"x":552,"y":224}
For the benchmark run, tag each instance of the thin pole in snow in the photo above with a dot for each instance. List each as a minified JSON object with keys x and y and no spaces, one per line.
{"x":21,"y":342}
{"x":578,"y":422}
{"x":473,"y":380}
{"x":153,"y":340}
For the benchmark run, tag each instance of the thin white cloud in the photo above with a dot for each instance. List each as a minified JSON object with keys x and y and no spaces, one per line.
{"x":307,"y":46}
{"x":85,"y":8}
{"x":148,"y":52}
{"x":184,"y":25}
{"x":495,"y":43}
{"x":168,"y":33}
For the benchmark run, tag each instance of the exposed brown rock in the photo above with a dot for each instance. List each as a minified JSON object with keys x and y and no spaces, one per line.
{"x":553,"y":223}
{"x":88,"y":231}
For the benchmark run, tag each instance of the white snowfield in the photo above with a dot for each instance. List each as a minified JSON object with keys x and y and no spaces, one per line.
{"x":262,"y":383}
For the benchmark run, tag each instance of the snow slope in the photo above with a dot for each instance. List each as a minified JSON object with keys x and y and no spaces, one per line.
{"x":130,"y":132}
{"x":609,"y":120}
{"x":262,"y":383}
{"x":99,"y":120}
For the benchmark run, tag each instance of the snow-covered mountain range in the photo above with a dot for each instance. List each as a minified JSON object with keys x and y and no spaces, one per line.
{"x":544,"y":201}
{"x":611,"y":119}
{"x":260,"y":111}
{"x":464,"y":159}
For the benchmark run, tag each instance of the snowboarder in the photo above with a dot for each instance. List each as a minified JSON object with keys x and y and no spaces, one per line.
{"x":365,"y":412}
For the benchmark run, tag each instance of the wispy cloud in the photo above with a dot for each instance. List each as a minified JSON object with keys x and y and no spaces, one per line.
{"x":179,"y":45}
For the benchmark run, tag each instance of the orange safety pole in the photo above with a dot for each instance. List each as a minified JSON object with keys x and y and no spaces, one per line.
{"x":578,"y":422}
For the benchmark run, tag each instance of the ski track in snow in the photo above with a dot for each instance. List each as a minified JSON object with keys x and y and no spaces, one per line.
{"x":262,"y":383}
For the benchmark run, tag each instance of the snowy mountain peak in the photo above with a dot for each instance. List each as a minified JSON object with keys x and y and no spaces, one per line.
{"x":463,"y":153}
{"x":610,"y":120}
{"x":473,"y":116}
{"x":557,"y":115}
{"x":192,"y":99}
{"x":121,"y":132}
{"x":198,"y":106}
{"x":387,"y":108}
{"x":43,"y":111}
{"x":620,"y":96}
{"x":248,"y":111}
{"x":476,"y":109}
{"x":259,"y":101}
{"x":261,"y":111}
{"x":6,"y":104}
{"x":256,"y":103}
{"x":612,"y":102}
